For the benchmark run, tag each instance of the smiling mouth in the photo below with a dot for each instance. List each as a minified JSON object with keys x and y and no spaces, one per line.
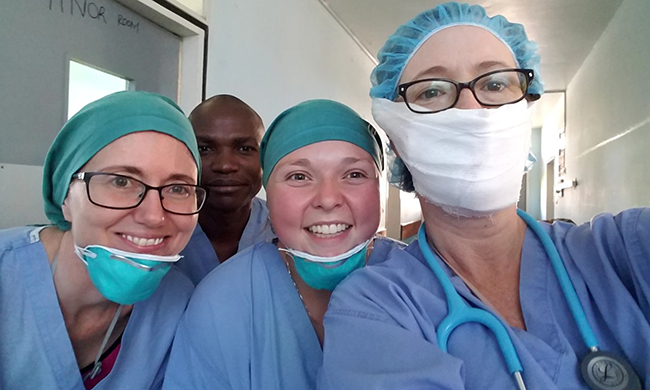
{"x":143,"y":241}
{"x":328,"y":230}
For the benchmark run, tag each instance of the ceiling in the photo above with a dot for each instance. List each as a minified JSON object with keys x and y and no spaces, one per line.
{"x":566,"y":30}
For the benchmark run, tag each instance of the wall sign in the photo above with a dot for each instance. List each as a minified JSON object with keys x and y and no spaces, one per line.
{"x":93,"y":9}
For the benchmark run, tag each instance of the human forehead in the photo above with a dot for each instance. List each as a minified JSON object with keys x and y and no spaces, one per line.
{"x":325,"y":155}
{"x":464,"y":49}
{"x":143,"y":150}
{"x":231,"y":124}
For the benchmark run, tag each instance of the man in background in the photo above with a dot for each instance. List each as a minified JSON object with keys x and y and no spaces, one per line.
{"x":228,"y":133}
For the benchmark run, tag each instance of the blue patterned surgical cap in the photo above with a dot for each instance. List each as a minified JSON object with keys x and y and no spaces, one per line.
{"x":408,"y":38}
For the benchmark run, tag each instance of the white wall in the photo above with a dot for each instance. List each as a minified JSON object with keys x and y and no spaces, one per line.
{"x":534,"y":177}
{"x":608,"y":120}
{"x":275,"y":54}
{"x":196,"y":6}
{"x":410,"y":210}
{"x":554,"y":124}
{"x":22,"y":202}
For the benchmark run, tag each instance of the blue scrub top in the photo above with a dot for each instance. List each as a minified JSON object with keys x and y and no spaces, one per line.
{"x":199,"y":257}
{"x":381,"y":322}
{"x":246,"y":328}
{"x":35,"y":349}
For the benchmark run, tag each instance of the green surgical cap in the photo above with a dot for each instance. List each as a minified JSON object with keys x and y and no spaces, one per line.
{"x":97,"y":125}
{"x":316,"y":121}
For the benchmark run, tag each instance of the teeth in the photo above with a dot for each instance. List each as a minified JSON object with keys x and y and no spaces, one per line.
{"x":328,"y":229}
{"x":143,"y":241}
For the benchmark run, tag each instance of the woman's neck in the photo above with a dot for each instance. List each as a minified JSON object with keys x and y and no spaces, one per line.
{"x":485,"y":252}
{"x":87,"y":313}
{"x":314,"y":301}
{"x":72,"y":282}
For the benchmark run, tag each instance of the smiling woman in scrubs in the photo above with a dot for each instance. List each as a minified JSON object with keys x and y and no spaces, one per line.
{"x":486,"y":298}
{"x":256,"y":321}
{"x":93,"y":301}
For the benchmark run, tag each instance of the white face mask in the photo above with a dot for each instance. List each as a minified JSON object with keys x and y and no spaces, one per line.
{"x":469,"y":162}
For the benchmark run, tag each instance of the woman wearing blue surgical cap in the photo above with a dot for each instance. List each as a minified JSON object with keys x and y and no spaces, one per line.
{"x":486,"y":298}
{"x":256,"y":321}
{"x":92,"y":301}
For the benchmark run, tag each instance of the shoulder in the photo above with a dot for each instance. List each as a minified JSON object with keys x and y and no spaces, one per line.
{"x":198,"y":233}
{"x":401,"y":261}
{"x":630,"y":223}
{"x":18,"y":237}
{"x":609,"y":246}
{"x":260,"y":204}
{"x":382,"y":246}
{"x":608,"y":233}
{"x":175,"y":288}
{"x":259,"y":226}
{"x":627,"y":221}
{"x":198,"y":242}
{"x":235,"y":276}
{"x":374,"y":290}
{"x":226,"y":295}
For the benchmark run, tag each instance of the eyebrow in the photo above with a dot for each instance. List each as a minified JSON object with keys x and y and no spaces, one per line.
{"x":480,"y":67}
{"x":125,"y":168}
{"x":303,"y":162}
{"x":136,"y":171}
{"x":243,"y":140}
{"x":433,"y":69}
{"x":492,"y":64}
{"x":180,"y":176}
{"x":203,"y":138}
{"x":353,"y":160}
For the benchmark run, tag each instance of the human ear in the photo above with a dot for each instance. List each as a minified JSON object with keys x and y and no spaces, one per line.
{"x":66,"y":208}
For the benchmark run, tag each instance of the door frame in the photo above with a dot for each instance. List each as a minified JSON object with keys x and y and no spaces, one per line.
{"x":193,"y":31}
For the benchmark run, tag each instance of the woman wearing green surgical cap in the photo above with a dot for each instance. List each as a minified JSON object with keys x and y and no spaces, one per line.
{"x":92,"y":301}
{"x":256,"y":321}
{"x":486,"y":297}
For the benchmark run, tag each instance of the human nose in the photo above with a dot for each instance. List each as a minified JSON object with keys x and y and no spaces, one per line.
{"x":329,"y":195}
{"x":467,"y":100}
{"x":150,"y":211}
{"x":224,"y":162}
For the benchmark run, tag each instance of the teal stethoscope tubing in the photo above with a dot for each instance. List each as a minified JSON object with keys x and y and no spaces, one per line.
{"x":460,"y":312}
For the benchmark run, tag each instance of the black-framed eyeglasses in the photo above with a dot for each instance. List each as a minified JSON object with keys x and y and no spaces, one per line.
{"x":120,"y":192}
{"x":492,"y":89}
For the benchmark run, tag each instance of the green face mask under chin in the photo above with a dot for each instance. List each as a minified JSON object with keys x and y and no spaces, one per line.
{"x":124,"y":277}
{"x":325,"y":273}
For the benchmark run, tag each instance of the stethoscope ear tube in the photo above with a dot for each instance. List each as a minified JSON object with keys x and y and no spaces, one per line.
{"x":460,"y":313}
{"x":565,"y":282}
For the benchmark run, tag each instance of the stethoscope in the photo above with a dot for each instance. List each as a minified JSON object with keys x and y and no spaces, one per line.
{"x":600,"y":370}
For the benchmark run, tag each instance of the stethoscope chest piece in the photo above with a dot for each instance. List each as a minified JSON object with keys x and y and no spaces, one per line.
{"x":606,"y":371}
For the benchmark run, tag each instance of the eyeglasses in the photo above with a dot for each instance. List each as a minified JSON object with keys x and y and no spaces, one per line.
{"x":491,"y":89}
{"x":121,"y":192}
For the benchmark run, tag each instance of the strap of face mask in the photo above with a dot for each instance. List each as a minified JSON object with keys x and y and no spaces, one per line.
{"x":322,"y":259}
{"x":55,"y":263}
{"x":97,"y":366}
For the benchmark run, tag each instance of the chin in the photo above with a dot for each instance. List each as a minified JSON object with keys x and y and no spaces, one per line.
{"x":465,"y":213}
{"x":462,"y":212}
